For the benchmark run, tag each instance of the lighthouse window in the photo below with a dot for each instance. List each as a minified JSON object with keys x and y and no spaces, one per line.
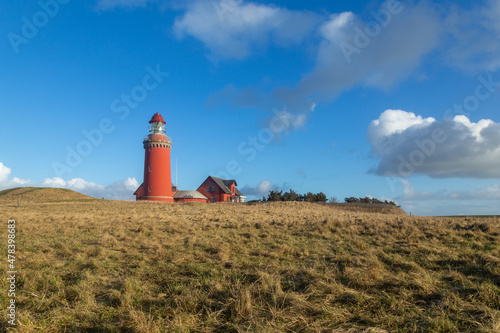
{"x":149,"y":169}
{"x":149,"y":188}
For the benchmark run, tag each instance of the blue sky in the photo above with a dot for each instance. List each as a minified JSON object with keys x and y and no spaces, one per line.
{"x":396,"y":100}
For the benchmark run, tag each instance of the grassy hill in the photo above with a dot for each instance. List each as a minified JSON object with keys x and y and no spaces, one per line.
{"x":28,"y":195}
{"x":108,"y":266}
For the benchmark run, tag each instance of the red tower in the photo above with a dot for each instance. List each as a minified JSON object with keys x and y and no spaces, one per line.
{"x":157,"y":185}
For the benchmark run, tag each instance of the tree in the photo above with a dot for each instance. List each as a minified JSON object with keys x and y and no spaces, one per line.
{"x":309,"y":197}
{"x":369,"y":200}
{"x":275,"y":196}
{"x":364,"y":200}
{"x":351,"y":200}
{"x":333,"y":200}
{"x":321,"y":197}
{"x":291,"y":196}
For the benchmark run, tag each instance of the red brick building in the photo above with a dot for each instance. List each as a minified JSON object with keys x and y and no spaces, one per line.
{"x":221,"y":190}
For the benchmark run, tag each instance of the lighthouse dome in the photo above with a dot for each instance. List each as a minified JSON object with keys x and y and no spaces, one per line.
{"x":157,"y":118}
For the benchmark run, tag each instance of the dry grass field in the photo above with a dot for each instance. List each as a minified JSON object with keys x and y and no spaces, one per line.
{"x":89,"y":265}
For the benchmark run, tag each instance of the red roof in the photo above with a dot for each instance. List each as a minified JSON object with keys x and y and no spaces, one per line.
{"x":157,"y":118}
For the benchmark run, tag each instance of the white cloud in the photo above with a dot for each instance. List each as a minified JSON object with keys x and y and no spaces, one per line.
{"x":284,"y":121}
{"x":411,"y":194}
{"x":81,"y":185}
{"x":392,"y":122}
{"x":382,"y":51}
{"x":396,"y":121}
{"x":77,"y":184}
{"x":231,"y":28}
{"x":260,"y":189}
{"x":408,"y":144}
{"x":472,"y":41}
{"x":6,"y":182}
{"x":121,"y":190}
{"x":386,"y":58}
{"x":378,"y":56}
{"x":54,"y":182}
{"x":129,"y":4}
{"x":446,"y":202}
{"x":333,"y":30}
{"x":375,"y":51}
{"x":16,"y":181}
{"x":4,"y":172}
{"x":474,"y":128}
{"x":348,"y":56}
{"x":490,"y":193}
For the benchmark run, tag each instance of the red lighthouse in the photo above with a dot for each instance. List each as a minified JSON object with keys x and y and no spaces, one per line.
{"x":157,"y":185}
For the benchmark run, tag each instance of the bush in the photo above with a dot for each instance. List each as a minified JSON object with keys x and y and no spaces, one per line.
{"x":369,"y":200}
{"x":294,"y":196}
